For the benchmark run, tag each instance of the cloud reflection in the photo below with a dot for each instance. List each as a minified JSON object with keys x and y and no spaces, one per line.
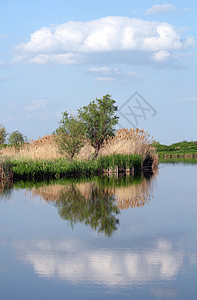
{"x":72,"y":261}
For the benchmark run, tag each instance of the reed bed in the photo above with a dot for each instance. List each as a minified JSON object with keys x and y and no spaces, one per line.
{"x":117,"y":163}
{"x":43,"y":148}
{"x":125,"y":141}
{"x":40,"y":169}
{"x":128,"y":141}
{"x":129,"y":150}
{"x":36,"y":169}
{"x":6,"y":171}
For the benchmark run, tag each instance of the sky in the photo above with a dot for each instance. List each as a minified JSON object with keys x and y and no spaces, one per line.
{"x":58,"y":55}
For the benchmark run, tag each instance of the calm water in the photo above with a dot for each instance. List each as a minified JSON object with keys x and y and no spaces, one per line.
{"x":94,"y":240}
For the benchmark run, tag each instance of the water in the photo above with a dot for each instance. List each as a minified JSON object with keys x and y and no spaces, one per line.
{"x":94,"y":240}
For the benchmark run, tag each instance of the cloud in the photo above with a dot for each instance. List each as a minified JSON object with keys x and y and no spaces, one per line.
{"x":35,"y":105}
{"x":113,"y":74}
{"x":160,"y":9}
{"x":113,"y":268}
{"x":161,"y":56}
{"x":108,"y":39}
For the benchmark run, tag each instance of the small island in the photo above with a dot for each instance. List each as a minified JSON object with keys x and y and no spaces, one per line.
{"x":83,"y":145}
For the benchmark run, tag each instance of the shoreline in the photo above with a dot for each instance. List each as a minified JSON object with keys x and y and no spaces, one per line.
{"x":14,"y":169}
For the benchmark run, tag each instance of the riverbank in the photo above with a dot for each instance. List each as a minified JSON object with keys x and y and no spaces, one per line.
{"x":14,"y":169}
{"x":129,"y":151}
{"x":183,"y":150}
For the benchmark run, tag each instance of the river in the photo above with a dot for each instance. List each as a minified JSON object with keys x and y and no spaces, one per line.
{"x":101,"y":238}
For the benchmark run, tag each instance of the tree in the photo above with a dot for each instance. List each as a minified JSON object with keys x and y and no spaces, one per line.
{"x":70,"y":135}
{"x":3,"y":134}
{"x":16,"y":139}
{"x":99,"y":120}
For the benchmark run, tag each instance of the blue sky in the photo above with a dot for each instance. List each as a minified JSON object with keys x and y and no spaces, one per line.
{"x":59,"y":55}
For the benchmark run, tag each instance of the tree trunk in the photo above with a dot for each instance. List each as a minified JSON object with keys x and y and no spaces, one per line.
{"x":96,"y":152}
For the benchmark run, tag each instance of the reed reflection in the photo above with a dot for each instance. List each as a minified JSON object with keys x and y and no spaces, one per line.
{"x":96,"y":202}
{"x":5,"y":190}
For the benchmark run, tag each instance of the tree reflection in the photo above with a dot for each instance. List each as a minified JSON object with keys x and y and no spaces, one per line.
{"x":99,"y":210}
{"x":96,"y":202}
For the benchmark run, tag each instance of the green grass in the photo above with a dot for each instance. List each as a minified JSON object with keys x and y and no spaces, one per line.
{"x":121,"y":161}
{"x":6,"y":172}
{"x":176,"y":160}
{"x":30,"y":169}
{"x":181,"y":149}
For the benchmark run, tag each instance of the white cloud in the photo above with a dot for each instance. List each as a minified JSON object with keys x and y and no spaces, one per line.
{"x":161,"y":56}
{"x":67,"y":58}
{"x":97,"y":40}
{"x":113,"y":74}
{"x":35,"y":105}
{"x":112,"y":268}
{"x":160,"y":9}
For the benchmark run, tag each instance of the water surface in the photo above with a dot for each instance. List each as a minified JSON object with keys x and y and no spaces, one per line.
{"x":109,"y":239}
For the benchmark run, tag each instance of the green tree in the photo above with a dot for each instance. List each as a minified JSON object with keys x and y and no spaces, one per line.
{"x":16,"y":139}
{"x":99,"y":121}
{"x":70,"y":135}
{"x":3,"y":135}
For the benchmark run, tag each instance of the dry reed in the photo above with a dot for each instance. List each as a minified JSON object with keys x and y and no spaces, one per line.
{"x":125,"y":141}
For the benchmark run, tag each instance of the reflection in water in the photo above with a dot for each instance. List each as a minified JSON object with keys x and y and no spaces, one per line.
{"x":152,"y":256}
{"x":97,"y":202}
{"x":5,"y":190}
{"x":76,"y":262}
{"x":99,"y":210}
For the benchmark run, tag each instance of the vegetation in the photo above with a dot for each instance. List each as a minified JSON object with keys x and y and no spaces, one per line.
{"x":70,"y":135}
{"x":180,"y":159}
{"x":77,"y":138}
{"x":129,"y":141}
{"x":176,"y":149}
{"x":99,"y":120}
{"x":6,"y":170}
{"x":120,"y":161}
{"x":16,"y":139}
{"x":3,"y":135}
{"x":30,"y":169}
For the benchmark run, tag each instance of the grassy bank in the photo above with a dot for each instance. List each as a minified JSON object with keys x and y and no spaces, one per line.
{"x":35,"y":169}
{"x":181,"y":149}
{"x":175,"y":160}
